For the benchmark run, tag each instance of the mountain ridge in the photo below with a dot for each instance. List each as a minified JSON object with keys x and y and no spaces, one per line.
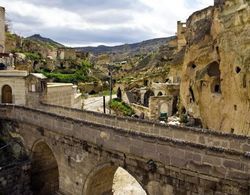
{"x":143,"y":46}
{"x":38,"y":37}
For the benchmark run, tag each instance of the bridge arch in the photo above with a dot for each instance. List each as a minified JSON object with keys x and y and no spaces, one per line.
{"x":104,"y":178}
{"x":44,"y":169}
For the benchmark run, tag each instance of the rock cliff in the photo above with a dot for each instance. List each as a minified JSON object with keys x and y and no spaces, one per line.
{"x":216,"y":72}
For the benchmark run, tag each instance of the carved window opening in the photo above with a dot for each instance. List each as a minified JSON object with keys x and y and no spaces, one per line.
{"x":192,"y":99}
{"x":146,"y":82}
{"x":192,"y":65}
{"x":237,"y":69}
{"x":213,"y":69}
{"x":217,"y":50}
{"x":244,"y":81}
{"x":216,"y":86}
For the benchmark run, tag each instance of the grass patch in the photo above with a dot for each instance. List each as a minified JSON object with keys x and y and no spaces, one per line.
{"x":121,"y":107}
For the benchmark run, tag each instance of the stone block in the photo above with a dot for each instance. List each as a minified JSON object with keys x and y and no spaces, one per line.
{"x":233,"y":164}
{"x":212,"y":160}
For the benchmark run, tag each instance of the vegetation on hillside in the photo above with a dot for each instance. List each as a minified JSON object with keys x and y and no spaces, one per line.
{"x":81,"y":74}
{"x":121,"y":107}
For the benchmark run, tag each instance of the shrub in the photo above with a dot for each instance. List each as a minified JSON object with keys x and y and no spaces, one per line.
{"x":33,"y":56}
{"x":121,"y":107}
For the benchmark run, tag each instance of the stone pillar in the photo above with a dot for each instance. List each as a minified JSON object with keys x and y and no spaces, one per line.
{"x":2,"y":29}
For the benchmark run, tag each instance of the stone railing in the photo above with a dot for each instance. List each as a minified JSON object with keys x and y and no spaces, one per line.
{"x":195,"y":135}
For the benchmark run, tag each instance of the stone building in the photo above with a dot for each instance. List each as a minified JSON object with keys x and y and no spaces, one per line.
{"x":181,"y":30}
{"x":13,"y":86}
{"x":153,"y":98}
{"x":21,"y":88}
{"x":66,"y":53}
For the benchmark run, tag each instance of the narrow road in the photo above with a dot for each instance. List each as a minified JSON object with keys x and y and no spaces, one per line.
{"x":96,"y":104}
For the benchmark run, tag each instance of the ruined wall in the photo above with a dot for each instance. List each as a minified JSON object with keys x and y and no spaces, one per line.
{"x":2,"y":29}
{"x":216,"y":79}
{"x":163,"y":104}
{"x":181,"y":29}
{"x":66,"y":54}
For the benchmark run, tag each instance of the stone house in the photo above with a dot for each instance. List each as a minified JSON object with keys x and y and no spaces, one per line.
{"x":22,"y":88}
{"x":66,"y":53}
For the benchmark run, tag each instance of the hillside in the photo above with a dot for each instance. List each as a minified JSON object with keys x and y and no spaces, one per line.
{"x":135,"y":48}
{"x":38,"y":37}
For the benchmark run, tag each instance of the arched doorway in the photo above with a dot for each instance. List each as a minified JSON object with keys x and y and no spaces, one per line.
{"x":112,"y":180}
{"x":44,"y":170}
{"x":147,"y":95}
{"x":160,"y":94}
{"x":6,"y":94}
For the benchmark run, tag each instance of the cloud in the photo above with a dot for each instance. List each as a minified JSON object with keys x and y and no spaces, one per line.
{"x":90,"y":22}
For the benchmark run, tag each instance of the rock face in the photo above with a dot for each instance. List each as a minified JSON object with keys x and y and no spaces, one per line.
{"x":216,"y":73}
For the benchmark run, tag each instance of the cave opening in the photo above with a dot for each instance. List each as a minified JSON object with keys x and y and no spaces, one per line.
{"x":237,"y":69}
{"x":192,"y":99}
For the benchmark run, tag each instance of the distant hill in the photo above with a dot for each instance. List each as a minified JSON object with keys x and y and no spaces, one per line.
{"x":135,"y":48}
{"x":38,"y":37}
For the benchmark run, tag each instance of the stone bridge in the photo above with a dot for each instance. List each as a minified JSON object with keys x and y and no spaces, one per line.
{"x":75,"y":152}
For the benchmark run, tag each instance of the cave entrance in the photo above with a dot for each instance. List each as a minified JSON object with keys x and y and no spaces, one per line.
{"x":213,"y":69}
{"x":44,"y":170}
{"x":147,"y":96}
{"x":160,"y":94}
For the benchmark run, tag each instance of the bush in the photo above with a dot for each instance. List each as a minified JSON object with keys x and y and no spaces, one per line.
{"x":65,"y":78}
{"x":33,"y":56}
{"x":121,"y":107}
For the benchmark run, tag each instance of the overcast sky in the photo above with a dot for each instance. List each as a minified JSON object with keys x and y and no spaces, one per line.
{"x":95,"y":22}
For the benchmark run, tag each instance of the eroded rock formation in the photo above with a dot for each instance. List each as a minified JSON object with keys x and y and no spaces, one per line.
{"x":216,"y":74}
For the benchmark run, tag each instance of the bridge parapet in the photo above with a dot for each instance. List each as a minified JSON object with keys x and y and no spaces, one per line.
{"x":206,"y":137}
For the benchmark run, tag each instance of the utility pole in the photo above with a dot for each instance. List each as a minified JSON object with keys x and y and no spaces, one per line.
{"x":110,"y":88}
{"x":104,"y":105}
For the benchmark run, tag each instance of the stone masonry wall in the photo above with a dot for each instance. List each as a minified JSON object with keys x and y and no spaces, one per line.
{"x":194,"y":135}
{"x":59,"y":94}
{"x":188,"y":167}
{"x":18,"y":89}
